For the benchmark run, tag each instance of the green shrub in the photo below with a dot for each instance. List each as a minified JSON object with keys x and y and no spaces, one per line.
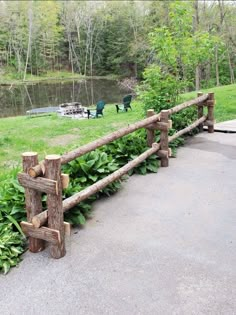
{"x":12,"y":200}
{"x":96,"y":165}
{"x":128,"y":148}
{"x":84,"y":172}
{"x":160,"y":91}
{"x":11,"y":247}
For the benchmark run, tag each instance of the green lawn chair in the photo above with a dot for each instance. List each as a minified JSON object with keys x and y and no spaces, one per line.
{"x":98,"y":111}
{"x":126,"y":104}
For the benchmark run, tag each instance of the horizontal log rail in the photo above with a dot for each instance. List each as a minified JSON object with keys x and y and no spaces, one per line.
{"x":72,"y":201}
{"x":196,"y":101}
{"x":53,"y":181}
{"x":187,"y":129}
{"x":70,"y":156}
{"x":40,"y":183}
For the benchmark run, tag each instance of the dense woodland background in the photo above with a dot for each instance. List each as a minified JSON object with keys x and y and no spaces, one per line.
{"x":194,"y":40}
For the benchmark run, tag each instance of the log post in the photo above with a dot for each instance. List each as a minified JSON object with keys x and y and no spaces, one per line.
{"x":164,"y":138}
{"x":200,"y":112}
{"x":150,"y":132}
{"x":54,"y":204}
{"x":33,"y":200}
{"x":210,"y":115}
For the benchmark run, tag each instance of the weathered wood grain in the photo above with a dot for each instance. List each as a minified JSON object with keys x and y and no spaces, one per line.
{"x":54,"y":204}
{"x":164,"y":139}
{"x":43,"y":233}
{"x":33,"y":200}
{"x":41,"y":184}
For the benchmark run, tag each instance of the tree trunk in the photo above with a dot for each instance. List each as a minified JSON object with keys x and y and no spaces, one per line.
{"x":217,"y":67}
{"x":197,"y":78}
{"x":231,"y":69}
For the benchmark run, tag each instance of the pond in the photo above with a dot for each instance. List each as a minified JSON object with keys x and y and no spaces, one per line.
{"x":17,"y":99}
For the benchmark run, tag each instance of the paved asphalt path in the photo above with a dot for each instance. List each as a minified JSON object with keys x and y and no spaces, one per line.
{"x":164,"y":244}
{"x":226,"y":126}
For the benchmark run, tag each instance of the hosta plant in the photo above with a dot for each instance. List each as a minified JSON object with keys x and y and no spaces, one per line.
{"x":11,"y":247}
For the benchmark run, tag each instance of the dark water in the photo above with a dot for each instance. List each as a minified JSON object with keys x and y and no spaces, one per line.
{"x":16,"y":100}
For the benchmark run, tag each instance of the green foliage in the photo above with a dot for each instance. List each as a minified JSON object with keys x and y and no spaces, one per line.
{"x":12,"y":211}
{"x":84,"y":172}
{"x":11,"y":247}
{"x":159,"y":90}
{"x":94,"y":166}
{"x":177,"y":50}
{"x":128,"y":148}
{"x":90,"y":168}
{"x":104,"y":37}
{"x":12,"y":199}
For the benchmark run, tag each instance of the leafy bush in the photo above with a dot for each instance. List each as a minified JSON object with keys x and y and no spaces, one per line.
{"x":11,"y":247}
{"x":12,"y":200}
{"x":84,"y":172}
{"x":94,"y":166}
{"x":128,"y":148}
{"x":160,"y":91}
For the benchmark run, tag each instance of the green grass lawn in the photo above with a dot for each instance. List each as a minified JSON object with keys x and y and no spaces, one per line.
{"x":225,"y":108}
{"x":53,"y":134}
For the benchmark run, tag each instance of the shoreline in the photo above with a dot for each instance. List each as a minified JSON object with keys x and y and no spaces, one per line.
{"x":37,"y":79}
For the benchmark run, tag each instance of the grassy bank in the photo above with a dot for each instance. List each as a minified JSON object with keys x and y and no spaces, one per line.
{"x":53,"y":134}
{"x":225,"y":108}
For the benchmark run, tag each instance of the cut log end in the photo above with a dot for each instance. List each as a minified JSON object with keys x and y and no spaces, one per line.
{"x":155,"y":145}
{"x":150,"y":112}
{"x":65,"y":180}
{"x":29,"y":154}
{"x":32,"y":172}
{"x":67,"y":227}
{"x":36,"y":222}
{"x":53,"y":157}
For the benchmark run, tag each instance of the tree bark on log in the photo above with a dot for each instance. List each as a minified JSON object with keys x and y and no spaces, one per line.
{"x":72,"y":201}
{"x":33,"y":200}
{"x":187,"y":129}
{"x":50,"y":235}
{"x":210,"y":116}
{"x":150,"y":132}
{"x":196,"y":101}
{"x":41,"y":184}
{"x":164,"y":138}
{"x":54,"y":204}
{"x":200,"y":112}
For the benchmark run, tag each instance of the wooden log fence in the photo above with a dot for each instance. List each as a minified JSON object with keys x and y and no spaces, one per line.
{"x":46,"y":176}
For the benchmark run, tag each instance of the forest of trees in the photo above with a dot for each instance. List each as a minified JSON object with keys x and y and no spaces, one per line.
{"x":195,"y":40}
